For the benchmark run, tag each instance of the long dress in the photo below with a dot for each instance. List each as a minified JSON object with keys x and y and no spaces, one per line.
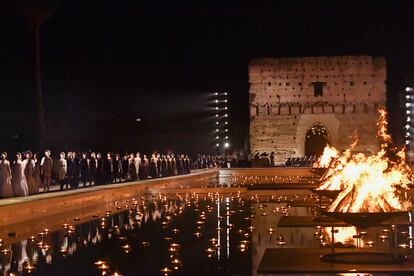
{"x":62,"y":171}
{"x":145,"y":168}
{"x":5,"y":179}
{"x":138,"y":165}
{"x":164,"y":168}
{"x":19,"y":184}
{"x":132,"y":171}
{"x":92,"y":166}
{"x":153,"y":168}
{"x":36,"y":175}
{"x":28,"y":173}
{"x":125,"y":166}
{"x":107,"y":168}
{"x":159,"y":167}
{"x":173,"y":166}
{"x":99,"y":176}
{"x":169,"y":167}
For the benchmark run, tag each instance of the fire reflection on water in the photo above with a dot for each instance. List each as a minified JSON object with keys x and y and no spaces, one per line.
{"x":344,"y":235}
{"x":227,"y":225}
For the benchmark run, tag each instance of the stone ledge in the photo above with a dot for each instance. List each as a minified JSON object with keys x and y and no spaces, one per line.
{"x":15,"y":210}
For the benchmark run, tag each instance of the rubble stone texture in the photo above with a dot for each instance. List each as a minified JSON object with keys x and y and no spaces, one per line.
{"x":284,"y":102}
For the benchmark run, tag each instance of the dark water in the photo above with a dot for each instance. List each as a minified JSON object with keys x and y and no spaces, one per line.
{"x":142,"y":237}
{"x":136,"y":242}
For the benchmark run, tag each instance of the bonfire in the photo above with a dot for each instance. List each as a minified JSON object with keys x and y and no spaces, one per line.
{"x":373,"y":183}
{"x":324,"y":161}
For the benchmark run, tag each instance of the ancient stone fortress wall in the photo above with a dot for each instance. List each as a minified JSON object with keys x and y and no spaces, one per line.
{"x":289,"y":95}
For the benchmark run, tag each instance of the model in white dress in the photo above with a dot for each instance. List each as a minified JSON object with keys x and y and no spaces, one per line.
{"x":19,"y":183}
{"x":5,"y":177}
{"x":138,"y":163}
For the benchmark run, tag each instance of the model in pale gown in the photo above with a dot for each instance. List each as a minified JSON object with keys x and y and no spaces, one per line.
{"x":5,"y":177}
{"x":36,"y":171}
{"x":29,"y":165}
{"x":19,"y":184}
{"x":138,"y":164}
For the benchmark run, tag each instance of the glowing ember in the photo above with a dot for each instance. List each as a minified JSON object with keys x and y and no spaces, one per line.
{"x":369,"y":183}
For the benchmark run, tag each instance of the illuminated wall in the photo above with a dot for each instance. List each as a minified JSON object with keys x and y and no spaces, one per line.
{"x":288,"y":95}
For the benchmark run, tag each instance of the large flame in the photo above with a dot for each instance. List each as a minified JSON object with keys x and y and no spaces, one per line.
{"x":328,"y":154}
{"x":369,"y":183}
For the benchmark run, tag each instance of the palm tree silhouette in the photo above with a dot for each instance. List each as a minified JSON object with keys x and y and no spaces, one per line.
{"x":36,"y":12}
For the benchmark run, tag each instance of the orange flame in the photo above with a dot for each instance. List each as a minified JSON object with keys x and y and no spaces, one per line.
{"x":369,"y":183}
{"x":383,"y":129}
{"x":328,"y":154}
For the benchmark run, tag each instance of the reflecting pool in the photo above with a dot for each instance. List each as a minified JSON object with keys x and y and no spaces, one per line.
{"x":181,"y":234}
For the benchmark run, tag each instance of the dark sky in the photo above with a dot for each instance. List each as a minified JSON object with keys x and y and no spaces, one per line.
{"x":107,"y":62}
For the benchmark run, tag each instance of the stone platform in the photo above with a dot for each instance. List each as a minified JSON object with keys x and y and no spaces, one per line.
{"x":19,"y":209}
{"x":311,"y":221}
{"x":281,"y":186}
{"x":307,"y":260}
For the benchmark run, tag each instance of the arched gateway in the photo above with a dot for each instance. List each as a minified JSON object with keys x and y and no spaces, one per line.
{"x":317,"y":137}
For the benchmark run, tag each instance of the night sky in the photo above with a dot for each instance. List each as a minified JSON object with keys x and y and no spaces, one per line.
{"x":107,"y":62}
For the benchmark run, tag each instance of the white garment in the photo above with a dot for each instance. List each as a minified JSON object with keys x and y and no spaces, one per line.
{"x":19,"y":183}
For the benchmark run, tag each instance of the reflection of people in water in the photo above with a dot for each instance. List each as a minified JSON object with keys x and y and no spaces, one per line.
{"x":19,"y":255}
{"x":5,"y":261}
{"x":28,"y":252}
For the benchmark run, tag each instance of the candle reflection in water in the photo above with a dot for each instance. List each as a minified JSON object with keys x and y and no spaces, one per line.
{"x":227,"y":201}
{"x":163,"y":216}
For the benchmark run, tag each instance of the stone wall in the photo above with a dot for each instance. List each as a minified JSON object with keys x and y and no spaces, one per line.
{"x":283,"y":103}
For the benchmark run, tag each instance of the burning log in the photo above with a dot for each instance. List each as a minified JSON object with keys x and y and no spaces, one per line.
{"x":369,"y":183}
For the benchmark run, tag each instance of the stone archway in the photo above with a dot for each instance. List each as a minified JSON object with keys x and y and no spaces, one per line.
{"x":317,"y":137}
{"x":330,"y":121}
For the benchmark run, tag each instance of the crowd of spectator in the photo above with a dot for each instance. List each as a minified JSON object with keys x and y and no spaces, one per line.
{"x":220,"y":161}
{"x":305,"y":161}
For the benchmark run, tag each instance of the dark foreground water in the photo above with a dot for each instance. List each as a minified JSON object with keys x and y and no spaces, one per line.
{"x":176,"y":235}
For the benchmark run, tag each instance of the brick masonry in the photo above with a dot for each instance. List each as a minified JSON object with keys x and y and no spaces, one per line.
{"x":283,"y":104}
